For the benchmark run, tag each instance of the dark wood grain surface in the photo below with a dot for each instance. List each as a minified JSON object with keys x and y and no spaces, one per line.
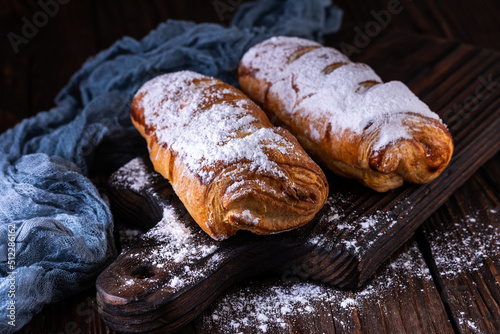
{"x":444,"y":279}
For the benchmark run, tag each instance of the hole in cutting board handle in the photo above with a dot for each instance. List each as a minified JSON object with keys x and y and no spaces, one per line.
{"x":143,"y":272}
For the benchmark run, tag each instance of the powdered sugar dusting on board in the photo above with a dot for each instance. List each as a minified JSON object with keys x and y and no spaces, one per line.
{"x":273,"y":306}
{"x":136,"y":167}
{"x":179,"y":248}
{"x":477,"y":233}
{"x":466,"y":251}
{"x":179,"y":241}
{"x":373,"y":226}
{"x":334,"y":98}
{"x":190,"y":119}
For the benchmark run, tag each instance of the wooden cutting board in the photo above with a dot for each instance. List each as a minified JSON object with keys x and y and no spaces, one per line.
{"x":175,"y":271}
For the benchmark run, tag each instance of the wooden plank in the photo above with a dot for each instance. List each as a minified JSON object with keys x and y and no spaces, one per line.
{"x":463,"y":241}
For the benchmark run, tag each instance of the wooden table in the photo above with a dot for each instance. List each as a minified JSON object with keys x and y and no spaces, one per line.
{"x":445,"y":279}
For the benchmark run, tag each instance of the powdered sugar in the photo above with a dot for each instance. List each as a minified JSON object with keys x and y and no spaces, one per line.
{"x":273,"y":306}
{"x":250,"y":184}
{"x":248,"y":216}
{"x":372,"y":226}
{"x":481,"y":241}
{"x":169,"y":229}
{"x":136,"y":167}
{"x":283,"y":51}
{"x":347,"y":302}
{"x":178,"y":240}
{"x":179,"y":246}
{"x":470,"y":324}
{"x":309,"y":91}
{"x":466,"y":251}
{"x":208,"y":125}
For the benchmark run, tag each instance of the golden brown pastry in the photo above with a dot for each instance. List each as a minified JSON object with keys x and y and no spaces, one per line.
{"x":344,"y":116}
{"x":229,"y":166}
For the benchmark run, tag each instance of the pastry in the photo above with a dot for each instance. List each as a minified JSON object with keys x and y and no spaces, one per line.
{"x":344,"y":116}
{"x":227,"y":163}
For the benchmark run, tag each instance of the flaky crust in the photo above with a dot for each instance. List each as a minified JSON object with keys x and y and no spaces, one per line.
{"x":283,"y":191}
{"x":344,"y":116}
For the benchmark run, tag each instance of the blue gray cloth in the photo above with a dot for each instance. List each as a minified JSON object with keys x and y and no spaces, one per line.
{"x":62,"y":228}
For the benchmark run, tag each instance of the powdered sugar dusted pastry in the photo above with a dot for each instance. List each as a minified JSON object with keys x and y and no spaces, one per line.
{"x":229,"y":166}
{"x":344,"y":116}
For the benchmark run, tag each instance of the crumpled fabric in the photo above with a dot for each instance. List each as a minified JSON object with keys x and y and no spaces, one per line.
{"x":51,"y":215}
